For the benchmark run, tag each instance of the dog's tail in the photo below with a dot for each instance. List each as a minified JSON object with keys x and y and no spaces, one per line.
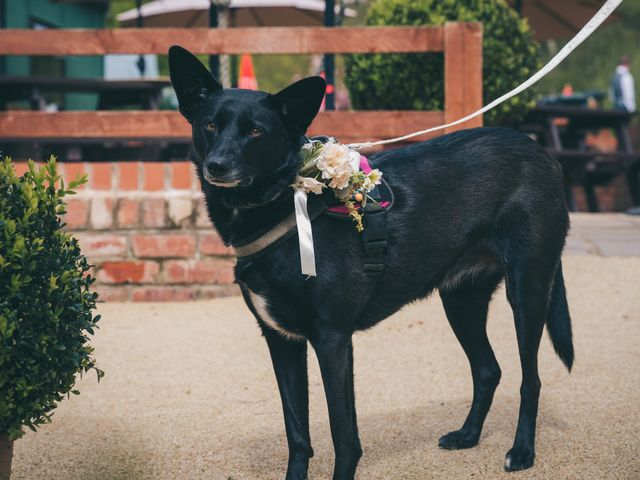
{"x":559,"y":321}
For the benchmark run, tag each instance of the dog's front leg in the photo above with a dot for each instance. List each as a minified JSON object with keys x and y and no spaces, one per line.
{"x":289,"y":359}
{"x":335,"y":356}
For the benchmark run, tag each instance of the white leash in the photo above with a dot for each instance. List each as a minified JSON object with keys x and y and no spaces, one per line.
{"x":597,"y":20}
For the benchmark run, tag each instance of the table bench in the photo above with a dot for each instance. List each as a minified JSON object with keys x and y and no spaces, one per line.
{"x":113,"y":94}
{"x":563,"y":130}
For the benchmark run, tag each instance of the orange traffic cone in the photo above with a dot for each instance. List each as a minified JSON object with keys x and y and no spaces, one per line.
{"x":247,"y":78}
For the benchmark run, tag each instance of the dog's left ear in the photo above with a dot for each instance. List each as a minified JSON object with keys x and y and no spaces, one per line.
{"x":299,"y":103}
{"x":191,"y":80}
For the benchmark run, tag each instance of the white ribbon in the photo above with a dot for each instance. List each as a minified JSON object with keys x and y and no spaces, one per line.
{"x":305,"y":235}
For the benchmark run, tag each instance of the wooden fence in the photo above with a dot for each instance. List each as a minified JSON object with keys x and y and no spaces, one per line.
{"x":460,"y":42}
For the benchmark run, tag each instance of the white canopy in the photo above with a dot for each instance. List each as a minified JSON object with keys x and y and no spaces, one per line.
{"x":243,"y":13}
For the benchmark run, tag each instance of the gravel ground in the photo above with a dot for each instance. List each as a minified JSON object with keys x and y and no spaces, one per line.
{"x":189,"y":394}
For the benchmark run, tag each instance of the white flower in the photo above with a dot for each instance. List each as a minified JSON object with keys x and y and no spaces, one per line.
{"x":336,"y":163}
{"x":340,"y":180}
{"x":374,"y":178}
{"x":309,"y":184}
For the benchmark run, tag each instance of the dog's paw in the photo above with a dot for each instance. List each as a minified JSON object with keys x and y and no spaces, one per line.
{"x":519,"y":459}
{"x":459,"y":439}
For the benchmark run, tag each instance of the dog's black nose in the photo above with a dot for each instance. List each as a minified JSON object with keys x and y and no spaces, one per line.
{"x":217,"y":168}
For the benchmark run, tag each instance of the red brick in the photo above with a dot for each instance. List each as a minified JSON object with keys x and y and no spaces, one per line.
{"x":20,"y":168}
{"x":154,"y":212}
{"x":77,"y":213}
{"x":128,"y":272}
{"x":128,"y":215}
{"x":181,"y":175}
{"x":100,"y":177}
{"x":73,"y":170}
{"x":164,"y":245}
{"x":218,"y":291}
{"x":206,"y":271}
{"x":106,"y":245}
{"x":211,"y":244}
{"x":163,"y":294}
{"x":107,"y":293}
{"x":128,"y":173}
{"x":153,"y":176}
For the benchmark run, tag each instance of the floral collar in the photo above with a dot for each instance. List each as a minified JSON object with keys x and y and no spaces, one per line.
{"x":336,"y":166}
{"x":322,"y":165}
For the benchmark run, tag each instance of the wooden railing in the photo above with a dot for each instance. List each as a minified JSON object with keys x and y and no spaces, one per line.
{"x":460,"y":42}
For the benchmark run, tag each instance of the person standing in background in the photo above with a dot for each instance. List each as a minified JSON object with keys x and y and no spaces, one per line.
{"x":624,"y":98}
{"x":623,"y":87}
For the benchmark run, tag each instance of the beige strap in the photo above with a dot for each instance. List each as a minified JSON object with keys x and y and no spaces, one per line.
{"x":272,"y":236}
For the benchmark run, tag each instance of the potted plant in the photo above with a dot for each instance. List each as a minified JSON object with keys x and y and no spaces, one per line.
{"x":46,"y":305}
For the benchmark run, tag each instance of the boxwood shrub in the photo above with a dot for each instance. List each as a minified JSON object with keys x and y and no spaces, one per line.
{"x":416,"y":81}
{"x":46,"y":305}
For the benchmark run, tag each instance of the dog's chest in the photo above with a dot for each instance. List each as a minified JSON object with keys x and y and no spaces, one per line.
{"x":265,"y":309}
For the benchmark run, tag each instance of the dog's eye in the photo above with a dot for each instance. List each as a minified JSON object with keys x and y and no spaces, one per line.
{"x":210,"y":126}
{"x":255,"y":132}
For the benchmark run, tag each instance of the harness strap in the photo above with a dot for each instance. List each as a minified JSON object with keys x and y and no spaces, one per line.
{"x":282,"y":231}
{"x":374,"y":239}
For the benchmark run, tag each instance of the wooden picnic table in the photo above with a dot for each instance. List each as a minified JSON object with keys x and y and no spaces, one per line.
{"x":563,"y":131}
{"x":113,"y":94}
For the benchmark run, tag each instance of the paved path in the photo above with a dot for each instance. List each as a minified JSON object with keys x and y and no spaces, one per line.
{"x":189,"y":393}
{"x":609,"y":235}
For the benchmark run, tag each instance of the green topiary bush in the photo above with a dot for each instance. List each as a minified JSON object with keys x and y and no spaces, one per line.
{"x":45,"y":299}
{"x":416,"y":81}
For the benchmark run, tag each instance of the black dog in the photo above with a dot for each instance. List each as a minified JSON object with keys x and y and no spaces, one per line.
{"x":471,"y":208}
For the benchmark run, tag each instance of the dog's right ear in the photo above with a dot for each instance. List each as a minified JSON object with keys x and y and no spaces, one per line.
{"x":191,"y":80}
{"x":299,"y":103}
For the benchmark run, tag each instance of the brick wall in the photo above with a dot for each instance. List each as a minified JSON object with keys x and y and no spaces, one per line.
{"x":145,"y":228}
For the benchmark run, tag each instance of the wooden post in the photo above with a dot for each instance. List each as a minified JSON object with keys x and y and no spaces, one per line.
{"x":6,"y":454}
{"x":462,"y":73}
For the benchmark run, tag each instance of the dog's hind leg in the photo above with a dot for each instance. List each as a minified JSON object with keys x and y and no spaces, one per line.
{"x":290,"y":364}
{"x":466,"y":306}
{"x":335,"y":357}
{"x":529,"y":284}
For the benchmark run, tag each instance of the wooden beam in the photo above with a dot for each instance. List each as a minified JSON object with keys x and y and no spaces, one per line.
{"x":462,"y":73}
{"x":371,"y":125}
{"x":169,"y":125}
{"x":262,"y":40}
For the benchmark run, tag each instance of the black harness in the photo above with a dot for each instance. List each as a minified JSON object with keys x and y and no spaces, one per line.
{"x":374,"y":236}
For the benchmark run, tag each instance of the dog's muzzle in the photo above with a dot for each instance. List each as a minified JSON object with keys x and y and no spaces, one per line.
{"x":218,"y":182}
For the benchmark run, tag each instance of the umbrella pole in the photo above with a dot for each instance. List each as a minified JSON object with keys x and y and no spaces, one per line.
{"x":139,"y":24}
{"x":329,"y":72}
{"x":214,"y":60}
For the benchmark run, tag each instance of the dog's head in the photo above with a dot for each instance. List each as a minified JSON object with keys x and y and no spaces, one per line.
{"x":243,"y":139}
